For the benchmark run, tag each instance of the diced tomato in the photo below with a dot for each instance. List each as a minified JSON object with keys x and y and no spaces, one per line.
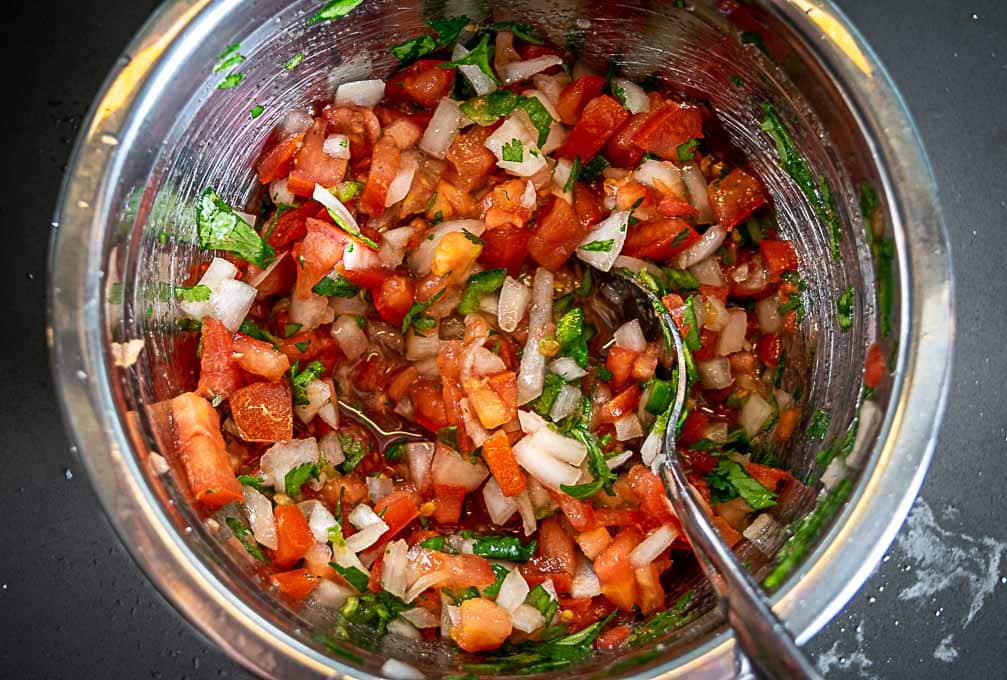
{"x":667,"y":128}
{"x":557,"y":233}
{"x":203,"y":451}
{"x":588,"y":206}
{"x":398,"y":387}
{"x":778,"y":256}
{"x":504,"y":466}
{"x":673,"y":206}
{"x":619,"y":362}
{"x":613,"y":637}
{"x":371,"y":279}
{"x":575,"y":96}
{"x":404,"y":133}
{"x":394,"y":298}
{"x":653,"y":498}
{"x":453,"y":395}
{"x":874,"y":367}
{"x":618,"y":582}
{"x":262,"y":412}
{"x":726,"y":531}
{"x":429,"y":405}
{"x":556,"y":546}
{"x":694,"y":428}
{"x":448,"y":502}
{"x":538,"y":570}
{"x":317,"y":254}
{"x":293,"y":535}
{"x":278,"y":281}
{"x":601,"y":118}
{"x":275,"y":163}
{"x":422,"y":83}
{"x":592,"y":543}
{"x":397,"y":509}
{"x":463,"y":571}
{"x":377,"y":569}
{"x":308,"y":345}
{"x":735,"y":197}
{"x":483,"y":625}
{"x":620,"y":405}
{"x":372,"y":373}
{"x":768,"y":349}
{"x":620,"y":149}
{"x":290,"y":225}
{"x":530,"y":51}
{"x":450,"y":201}
{"x":259,"y":357}
{"x":618,"y":517}
{"x":650,"y":593}
{"x":719,"y":292}
{"x":769,"y":477}
{"x":659,"y":239}
{"x":488,"y":405}
{"x":586,"y":610}
{"x":787,"y":423}
{"x":384,"y":167}
{"x":472,"y":161}
{"x":313,"y":166}
{"x":506,"y":248}
{"x":218,"y":373}
{"x":578,"y":513}
{"x":700,"y":462}
{"x":296,"y":584}
{"x":504,"y":383}
{"x":707,"y":345}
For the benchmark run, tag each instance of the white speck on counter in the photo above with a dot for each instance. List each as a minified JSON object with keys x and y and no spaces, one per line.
{"x":855,"y":659}
{"x":946,"y":651}
{"x":68,"y":474}
{"x":945,"y":560}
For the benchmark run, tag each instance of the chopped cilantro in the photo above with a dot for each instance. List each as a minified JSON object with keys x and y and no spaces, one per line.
{"x":478,"y":285}
{"x":479,"y":56}
{"x":596,"y":465}
{"x":220,"y":228}
{"x":297,"y":477}
{"x":228,"y":62}
{"x":730,"y":480}
{"x":592,"y":170}
{"x":353,"y":576}
{"x":550,"y":390}
{"x":513,"y":151}
{"x":294,"y":61}
{"x":667,"y":620}
{"x":354,"y":451}
{"x":486,"y":109}
{"x":290,"y":329}
{"x":539,"y":117}
{"x":334,"y":9}
{"x":598,"y":246}
{"x":687,"y":150}
{"x":302,"y":346}
{"x":257,"y":483}
{"x":335,"y":285}
{"x":819,"y":425}
{"x":448,"y":435}
{"x":540,"y":599}
{"x":844,"y":307}
{"x":509,"y":548}
{"x":256,"y":111}
{"x":570,"y":332}
{"x":198,"y":293}
{"x":252,"y":330}
{"x":244,"y":535}
{"x":417,"y":310}
{"x":501,"y":573}
{"x":545,"y":655}
{"x":681,"y":279}
{"x":571,"y":181}
{"x":231,"y":81}
{"x":395,"y":452}
{"x":299,"y":379}
{"x":446,"y":31}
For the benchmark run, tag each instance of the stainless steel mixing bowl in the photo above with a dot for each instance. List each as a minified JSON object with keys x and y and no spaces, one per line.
{"x":160,"y":131}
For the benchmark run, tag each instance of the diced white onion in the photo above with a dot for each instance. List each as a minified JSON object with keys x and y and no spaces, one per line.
{"x":566,"y":402}
{"x":361,"y":93}
{"x":531,"y":422}
{"x":310,"y":312}
{"x":403,"y":180}
{"x":337,"y":146}
{"x":660,"y":175}
{"x":698,"y":192}
{"x":522,"y":70}
{"x":566,"y":449}
{"x":513,"y":129}
{"x":651,"y":547}
{"x":716,"y":314}
{"x":630,"y":336}
{"x":366,"y":537}
{"x":319,"y":519}
{"x":706,"y":246}
{"x":567,"y":368}
{"x":549,"y":471}
{"x":393,"y":245}
{"x":708,"y":272}
{"x":870,"y":417}
{"x":395,"y":568}
{"x":764,"y":533}
{"x":421,"y":617}
{"x":637,"y":100}
{"x":294,"y":122}
{"x":716,"y":432}
{"x":768,"y":313}
{"x":652,"y":446}
{"x":344,"y":557}
{"x":585,"y":581}
{"x":473,"y":428}
{"x":449,"y":467}
{"x":529,"y":197}
{"x":732,"y":337}
{"x":399,"y":670}
{"x":350,"y":305}
{"x":331,"y":595}
{"x":715,"y":374}
{"x":529,"y":522}
{"x":616,"y":461}
{"x":363,"y":516}
{"x":283,"y":457}
{"x":220,"y":270}
{"x":421,"y":259}
{"x":422,"y":583}
{"x":560,"y":176}
{"x":513,"y":591}
{"x":628,"y":427}
{"x":527,"y":619}
{"x":259,"y":510}
{"x":340,"y":213}
{"x":358,"y":258}
{"x":612,"y":228}
{"x":379,"y":487}
{"x":420,"y":456}
{"x":400,"y":626}
{"x":531,"y":376}
{"x":231,"y":301}
{"x":480,"y":82}
{"x":513,"y":303}
{"x":422,"y":346}
{"x":428,"y":368}
{"x":485,"y":362}
{"x":330,"y":447}
{"x":754,"y":414}
{"x":500,"y":508}
{"x":350,"y":337}
{"x":441,"y":130}
{"x":636,"y":265}
{"x":280,"y":193}
{"x":834,"y":473}
{"x":550,"y":86}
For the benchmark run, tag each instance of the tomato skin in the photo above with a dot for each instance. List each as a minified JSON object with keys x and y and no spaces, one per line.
{"x":204,"y":456}
{"x":397,"y":509}
{"x":384,"y":166}
{"x":449,"y":500}
{"x":667,"y":128}
{"x":588,"y":206}
{"x":484,"y":625}
{"x":614,"y":571}
{"x":317,"y":254}
{"x":503,"y":465}
{"x":620,"y":405}
{"x":290,"y":226}
{"x":620,"y":149}
{"x":735,"y":197}
{"x":505,"y":248}
{"x":394,"y":298}
{"x":768,"y":349}
{"x":312,"y":165}
{"x":874,"y":367}
{"x":575,"y":96}
{"x":429,"y":405}
{"x":218,"y":374}
{"x":557,"y":234}
{"x":262,"y":412}
{"x":693,"y":428}
{"x":293,"y":535}
{"x":601,"y":118}
{"x":673,"y":206}
{"x":296,"y":584}
{"x":259,"y":357}
{"x":613,"y":637}
{"x":421,"y":83}
{"x":620,"y":362}
{"x":659,"y":239}
{"x":275,"y":163}
{"x":472,"y":161}
{"x":778,"y":256}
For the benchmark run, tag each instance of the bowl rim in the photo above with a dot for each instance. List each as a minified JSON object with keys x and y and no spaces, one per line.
{"x":814,"y":593}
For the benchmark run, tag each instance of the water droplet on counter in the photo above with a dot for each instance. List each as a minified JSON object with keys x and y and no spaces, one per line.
{"x":872,"y":599}
{"x":81,"y":375}
{"x":31,"y":276}
{"x":975,"y":17}
{"x":54,"y":224}
{"x":68,"y":474}
{"x":83,"y":204}
{"x":73,"y":449}
{"x":108,"y":139}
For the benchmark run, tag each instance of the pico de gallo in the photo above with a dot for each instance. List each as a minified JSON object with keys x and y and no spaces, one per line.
{"x":436,"y":250}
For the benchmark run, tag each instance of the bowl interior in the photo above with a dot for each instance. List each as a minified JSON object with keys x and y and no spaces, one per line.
{"x":183,"y":134}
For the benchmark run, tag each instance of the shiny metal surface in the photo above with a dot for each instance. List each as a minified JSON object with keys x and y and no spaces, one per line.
{"x":160,"y":131}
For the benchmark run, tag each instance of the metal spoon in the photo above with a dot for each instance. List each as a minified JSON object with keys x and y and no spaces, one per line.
{"x":383,"y":438}
{"x":764,"y":643}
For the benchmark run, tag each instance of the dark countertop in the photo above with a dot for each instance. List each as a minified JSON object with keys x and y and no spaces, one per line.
{"x":75,"y":605}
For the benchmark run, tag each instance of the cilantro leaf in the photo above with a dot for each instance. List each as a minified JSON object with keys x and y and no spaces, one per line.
{"x":520,"y":30}
{"x":513,"y":151}
{"x":478,"y":285}
{"x":819,"y":425}
{"x":220,"y":228}
{"x":596,"y":462}
{"x":540,"y":599}
{"x":539,"y":116}
{"x":550,"y":390}
{"x":844,"y":307}
{"x":231,"y":81}
{"x":486,"y":109}
{"x":252,"y":330}
{"x":479,"y":56}
{"x":244,"y":535}
{"x":593,"y":168}
{"x":335,"y":285}
{"x":687,"y":150}
{"x":353,"y":576}
{"x":446,"y":30}
{"x":571,"y":181}
{"x":572,"y":336}
{"x":294,"y":61}
{"x":599,"y":246}
{"x":507,"y":548}
{"x":418,"y":308}
{"x":256,"y":111}
{"x":299,"y":380}
{"x":730,"y":476}
{"x":297,"y":477}
{"x":354,"y":451}
{"x":334,"y":9}
{"x":197,"y":293}
{"x":257,"y":483}
{"x":501,"y":573}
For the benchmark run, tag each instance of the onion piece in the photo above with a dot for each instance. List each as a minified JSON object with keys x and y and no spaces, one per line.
{"x":403,"y":180}
{"x":344,"y":557}
{"x":421,"y":259}
{"x":422,"y":346}
{"x":551,"y":86}
{"x":531,"y":422}
{"x":549,"y":471}
{"x":764,"y":533}
{"x":630,"y":336}
{"x":628,"y":427}
{"x":294,"y":122}
{"x":337,"y":146}
{"x":512,"y":305}
{"x":450,"y":468}
{"x":522,"y":70}
{"x":560,"y":178}
{"x":350,"y":337}
{"x":220,"y":270}
{"x":636,"y":100}
{"x":361,"y":93}
{"x":529,"y":522}
{"x":473,"y":428}
{"x":319,"y":519}
{"x":393,"y":246}
{"x":310,"y":312}
{"x":513,"y":591}
{"x":283,"y":457}
{"x":514,"y":133}
{"x":479,"y":81}
{"x":318,"y":394}
{"x":428,"y":368}
{"x":366,"y":537}
{"x":330,"y":448}
{"x":400,"y":626}
{"x":421,"y":617}
{"x":616,"y":461}
{"x":732,"y":337}
{"x":706,"y":246}
{"x":716,"y":314}
{"x":613,"y":228}
{"x":423,"y":582}
{"x":715,"y":374}
{"x":526,"y":618}
{"x":585,"y":581}
{"x":280,"y":192}
{"x":708,"y":272}
{"x":870,"y":416}
{"x":259,"y":511}
{"x":531,"y":376}
{"x":834,"y":473}
{"x":485,"y":362}
{"x":652,"y":446}
{"x":768,"y":313}
{"x":350,"y":305}
{"x":338,"y":211}
{"x":560,"y":447}
{"x":331,"y":595}
{"x":698,"y":192}
{"x":660,"y":175}
{"x":395,"y":568}
{"x":566,"y":402}
{"x":651,"y":547}
{"x":379,"y":487}
{"x":441,"y":130}
{"x":567,"y":368}
{"x":231,"y":301}
{"x":399,"y":670}
{"x":420,"y":456}
{"x":500,"y":508}
{"x":754,"y":414}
